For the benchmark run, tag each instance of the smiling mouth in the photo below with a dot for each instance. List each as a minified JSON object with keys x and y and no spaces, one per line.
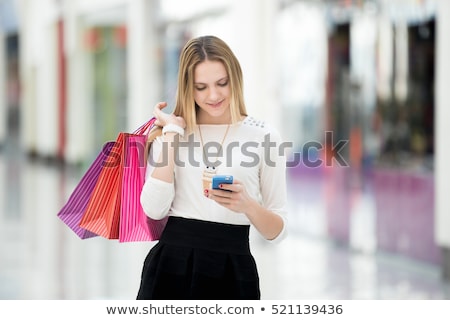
{"x":215,"y":105}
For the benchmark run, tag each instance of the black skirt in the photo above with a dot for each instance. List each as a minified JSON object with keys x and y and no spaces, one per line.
{"x":197,"y":259}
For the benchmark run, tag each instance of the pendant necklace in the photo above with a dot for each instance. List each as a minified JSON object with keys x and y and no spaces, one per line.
{"x":210,"y":171}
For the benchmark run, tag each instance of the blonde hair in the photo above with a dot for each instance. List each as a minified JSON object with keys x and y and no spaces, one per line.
{"x":194,"y":52}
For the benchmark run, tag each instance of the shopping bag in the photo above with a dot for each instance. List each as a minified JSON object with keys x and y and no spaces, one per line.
{"x":103,"y":210}
{"x":134,"y":223}
{"x":73,"y":210}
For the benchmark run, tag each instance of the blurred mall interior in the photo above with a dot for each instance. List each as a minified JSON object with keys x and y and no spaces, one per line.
{"x":373,"y":73}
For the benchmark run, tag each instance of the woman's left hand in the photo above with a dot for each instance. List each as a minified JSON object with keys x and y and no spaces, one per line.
{"x":236,"y":198}
{"x":232,"y":196}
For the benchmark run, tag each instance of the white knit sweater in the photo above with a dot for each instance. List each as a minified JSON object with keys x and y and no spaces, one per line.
{"x":252,"y":153}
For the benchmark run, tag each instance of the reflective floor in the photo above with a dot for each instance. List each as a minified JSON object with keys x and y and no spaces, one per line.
{"x":40,"y":258}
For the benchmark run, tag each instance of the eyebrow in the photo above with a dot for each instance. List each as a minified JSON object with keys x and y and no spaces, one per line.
{"x":226,"y":77}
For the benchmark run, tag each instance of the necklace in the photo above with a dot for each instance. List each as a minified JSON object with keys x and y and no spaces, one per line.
{"x":210,"y":171}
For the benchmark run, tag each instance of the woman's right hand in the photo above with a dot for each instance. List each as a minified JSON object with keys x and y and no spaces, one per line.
{"x":163,"y":118}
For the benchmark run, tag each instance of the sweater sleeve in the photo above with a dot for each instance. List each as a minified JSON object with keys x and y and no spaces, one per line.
{"x":273,"y":181}
{"x":156,"y":195}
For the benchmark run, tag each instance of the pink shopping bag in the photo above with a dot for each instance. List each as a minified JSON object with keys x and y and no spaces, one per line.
{"x":134,"y":223}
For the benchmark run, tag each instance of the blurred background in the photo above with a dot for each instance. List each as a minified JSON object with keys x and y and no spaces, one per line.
{"x":374,"y":73}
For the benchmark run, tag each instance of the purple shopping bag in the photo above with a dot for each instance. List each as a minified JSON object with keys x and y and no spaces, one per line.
{"x":72,"y":212}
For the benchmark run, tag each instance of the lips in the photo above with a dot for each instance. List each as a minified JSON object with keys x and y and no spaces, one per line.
{"x":215,"y":105}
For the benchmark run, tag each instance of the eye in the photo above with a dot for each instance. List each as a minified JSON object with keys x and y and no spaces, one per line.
{"x":223,"y":84}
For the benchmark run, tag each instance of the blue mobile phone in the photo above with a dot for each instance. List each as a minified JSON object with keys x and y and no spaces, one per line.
{"x":219,"y":179}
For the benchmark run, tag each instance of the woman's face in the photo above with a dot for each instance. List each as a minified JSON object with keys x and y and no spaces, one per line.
{"x":212,"y":92}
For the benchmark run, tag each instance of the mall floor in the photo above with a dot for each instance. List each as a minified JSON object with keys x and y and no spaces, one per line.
{"x":40,"y":258}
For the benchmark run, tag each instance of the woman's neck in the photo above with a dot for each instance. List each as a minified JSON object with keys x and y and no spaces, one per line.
{"x":203,"y":118}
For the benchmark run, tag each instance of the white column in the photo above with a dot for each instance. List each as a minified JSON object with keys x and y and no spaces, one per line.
{"x":46,"y":87}
{"x":254,"y":22}
{"x":442,"y":132}
{"x":385,"y":55}
{"x":144,"y":83}
{"x":39,"y":123}
{"x":80,"y":123}
{"x":3,"y":93}
{"x":27,"y":74}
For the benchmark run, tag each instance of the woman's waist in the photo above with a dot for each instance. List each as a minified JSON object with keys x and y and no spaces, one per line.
{"x":208,"y":235}
{"x":211,"y":212}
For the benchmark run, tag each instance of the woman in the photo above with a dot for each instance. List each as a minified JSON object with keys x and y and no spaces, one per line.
{"x":204,"y":250}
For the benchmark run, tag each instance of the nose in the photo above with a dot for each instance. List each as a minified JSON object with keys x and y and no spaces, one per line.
{"x":213,"y":94}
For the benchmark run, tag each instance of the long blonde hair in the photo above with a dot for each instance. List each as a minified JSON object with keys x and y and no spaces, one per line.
{"x":198,"y":50}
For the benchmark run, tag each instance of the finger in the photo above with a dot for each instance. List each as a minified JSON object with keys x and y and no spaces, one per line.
{"x":221,"y":194}
{"x":227,"y":187}
{"x":157,"y":110}
{"x":219,"y":199}
{"x":161,"y":105}
{"x":234,"y":187}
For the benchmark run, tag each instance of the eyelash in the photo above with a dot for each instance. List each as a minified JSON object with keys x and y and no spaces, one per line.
{"x":220,"y":85}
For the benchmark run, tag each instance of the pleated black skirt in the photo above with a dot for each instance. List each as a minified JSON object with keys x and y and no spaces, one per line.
{"x":197,"y":259}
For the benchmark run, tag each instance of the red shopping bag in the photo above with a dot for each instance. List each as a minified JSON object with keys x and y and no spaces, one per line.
{"x":72,"y":212}
{"x":134,"y":223}
{"x":103,"y":210}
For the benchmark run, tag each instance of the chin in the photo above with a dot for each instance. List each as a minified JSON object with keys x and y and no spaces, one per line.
{"x":218,"y":113}
{"x":215,"y":112}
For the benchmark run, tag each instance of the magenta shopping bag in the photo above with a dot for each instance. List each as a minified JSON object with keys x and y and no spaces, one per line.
{"x":134,"y":223}
{"x":72,"y":212}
